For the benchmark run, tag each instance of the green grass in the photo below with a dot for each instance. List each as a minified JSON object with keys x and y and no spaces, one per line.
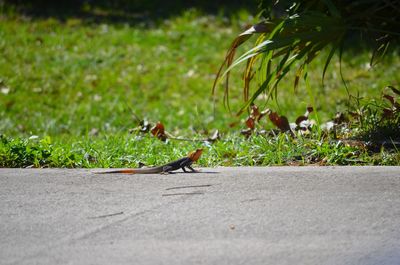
{"x":80,"y":87}
{"x":129,"y":151}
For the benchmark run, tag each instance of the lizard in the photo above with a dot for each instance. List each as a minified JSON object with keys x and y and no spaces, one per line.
{"x":185,"y":162}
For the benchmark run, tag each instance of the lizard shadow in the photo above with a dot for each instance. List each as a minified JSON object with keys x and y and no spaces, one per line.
{"x":196,"y":172}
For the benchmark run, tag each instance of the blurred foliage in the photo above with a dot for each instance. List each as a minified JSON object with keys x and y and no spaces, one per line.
{"x":125,"y":10}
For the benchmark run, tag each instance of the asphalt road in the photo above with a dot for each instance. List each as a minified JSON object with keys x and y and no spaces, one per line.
{"x":275,"y":215}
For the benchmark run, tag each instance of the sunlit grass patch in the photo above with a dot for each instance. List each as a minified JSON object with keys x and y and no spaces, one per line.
{"x":82,"y":87}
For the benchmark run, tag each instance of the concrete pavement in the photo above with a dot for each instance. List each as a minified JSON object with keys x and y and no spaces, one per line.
{"x":247,"y":215}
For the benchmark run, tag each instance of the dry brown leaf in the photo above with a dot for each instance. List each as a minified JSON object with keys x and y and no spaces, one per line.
{"x":250,"y":123}
{"x":279,"y":121}
{"x":255,"y":113}
{"x":264,"y":113}
{"x":246,"y":132}
{"x":159,"y":131}
{"x":390,"y":98}
{"x":300,"y":119}
{"x":387,"y":113}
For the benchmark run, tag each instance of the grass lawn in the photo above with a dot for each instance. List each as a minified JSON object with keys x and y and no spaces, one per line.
{"x":72,"y":92}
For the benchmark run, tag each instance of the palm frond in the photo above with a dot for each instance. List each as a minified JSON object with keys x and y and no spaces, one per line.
{"x":296,"y":39}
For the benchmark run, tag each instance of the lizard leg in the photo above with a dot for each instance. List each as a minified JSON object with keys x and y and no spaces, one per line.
{"x":184,"y":164}
{"x":166,"y":170}
{"x":192,"y":169}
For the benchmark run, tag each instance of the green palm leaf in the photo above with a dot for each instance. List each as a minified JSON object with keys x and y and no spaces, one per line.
{"x":298,"y":37}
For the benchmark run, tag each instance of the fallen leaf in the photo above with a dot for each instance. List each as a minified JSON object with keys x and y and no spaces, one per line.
{"x":159,"y":131}
{"x":250,"y":123}
{"x":301,"y":119}
{"x":279,"y":121}
{"x":387,"y":113}
{"x":255,"y":113}
{"x":246,"y":132}
{"x":341,"y":118}
{"x":304,"y":117}
{"x":144,"y":126}
{"x":263,"y":113}
{"x":216,"y":136}
{"x":327,"y":126}
{"x":390,"y":98}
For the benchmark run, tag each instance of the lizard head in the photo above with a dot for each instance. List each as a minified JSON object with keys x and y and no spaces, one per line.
{"x":195,"y":155}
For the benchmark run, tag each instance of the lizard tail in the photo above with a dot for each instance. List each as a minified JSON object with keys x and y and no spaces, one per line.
{"x":121,"y":171}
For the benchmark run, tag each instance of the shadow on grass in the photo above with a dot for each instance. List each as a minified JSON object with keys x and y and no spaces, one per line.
{"x":122,"y":11}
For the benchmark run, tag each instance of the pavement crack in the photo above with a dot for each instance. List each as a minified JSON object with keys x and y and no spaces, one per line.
{"x":106,"y":215}
{"x":183,"y":193}
{"x":86,"y":234}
